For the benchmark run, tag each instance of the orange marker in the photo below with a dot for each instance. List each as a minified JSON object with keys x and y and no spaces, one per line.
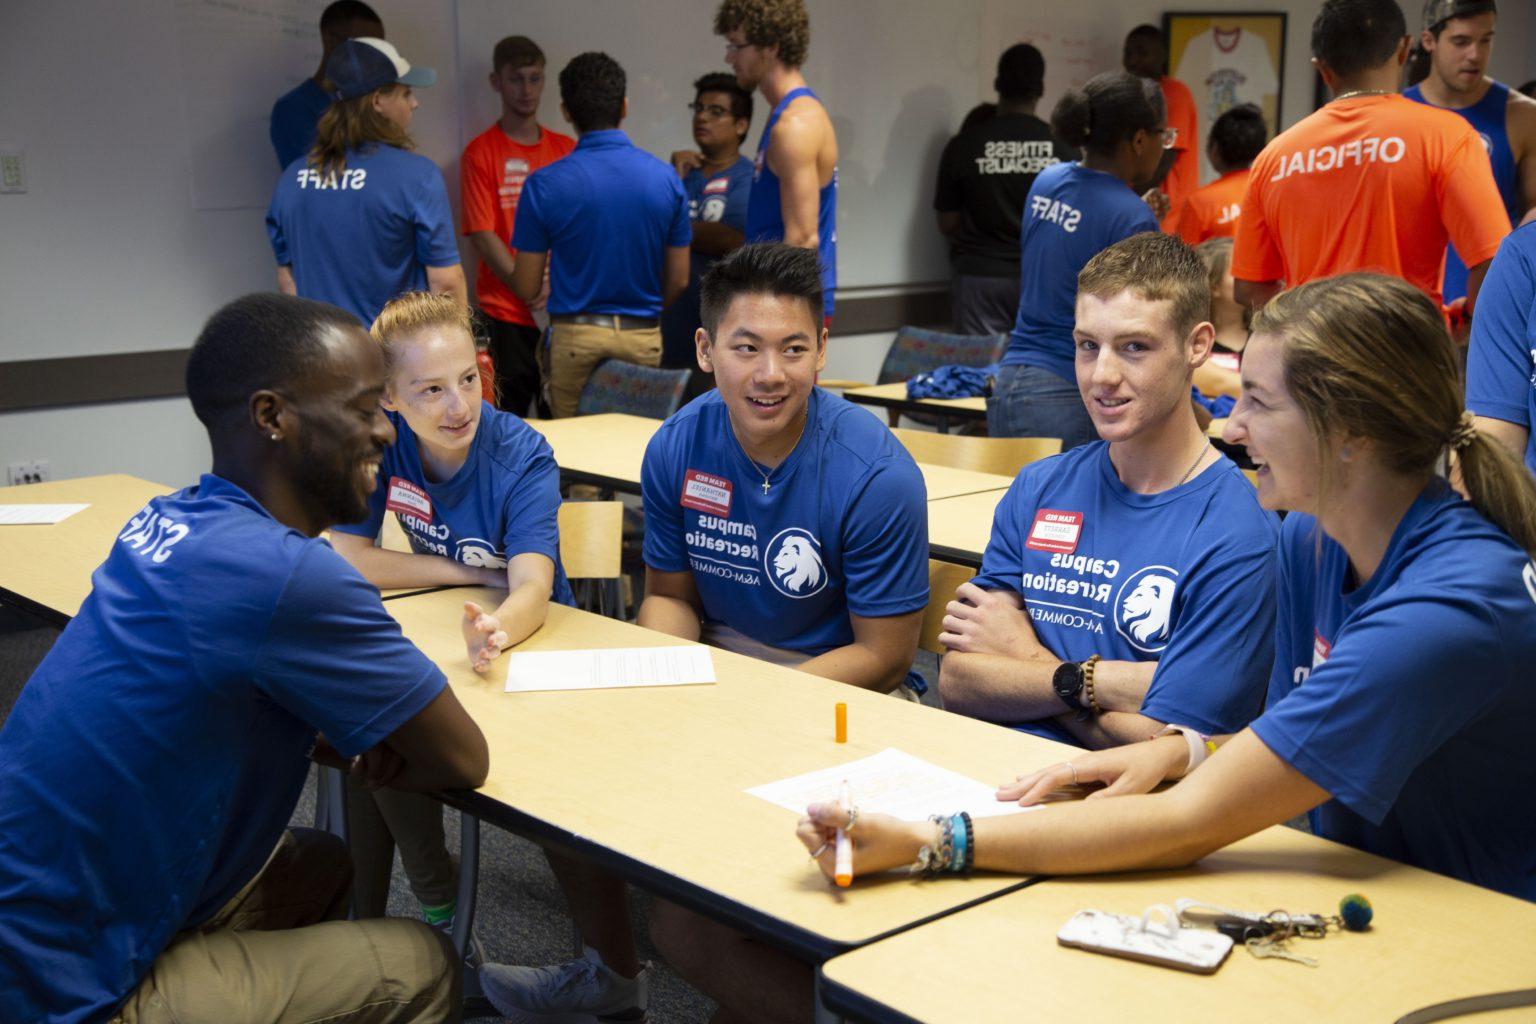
{"x":841,"y":733}
{"x":842,"y":868}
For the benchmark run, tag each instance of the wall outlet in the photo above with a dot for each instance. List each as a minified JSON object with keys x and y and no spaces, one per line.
{"x":13,"y":171}
{"x":33,"y":472}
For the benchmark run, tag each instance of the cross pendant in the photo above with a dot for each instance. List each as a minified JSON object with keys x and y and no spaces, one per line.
{"x":765,"y":486}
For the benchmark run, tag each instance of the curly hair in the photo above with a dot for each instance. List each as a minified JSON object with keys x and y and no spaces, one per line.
{"x":592,"y":87}
{"x":780,"y":23}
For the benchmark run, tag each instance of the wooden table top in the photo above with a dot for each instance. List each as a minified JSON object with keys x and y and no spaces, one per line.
{"x":896,"y":394}
{"x":608,"y":450}
{"x":1433,"y":939}
{"x":47,"y":569}
{"x":653,"y":779}
{"x":958,"y":528}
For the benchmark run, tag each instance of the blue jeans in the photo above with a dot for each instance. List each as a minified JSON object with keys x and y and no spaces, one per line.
{"x":1027,"y":401}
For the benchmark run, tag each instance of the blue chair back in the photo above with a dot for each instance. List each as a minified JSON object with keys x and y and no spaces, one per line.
{"x":916,"y":350}
{"x":617,"y":386}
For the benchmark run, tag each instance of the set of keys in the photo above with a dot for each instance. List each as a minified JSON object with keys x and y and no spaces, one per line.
{"x":1268,"y":935}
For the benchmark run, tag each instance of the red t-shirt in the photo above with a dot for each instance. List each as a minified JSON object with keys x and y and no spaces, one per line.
{"x":1184,"y":177}
{"x":1369,"y":183}
{"x":491,"y":178}
{"x":1212,"y":211}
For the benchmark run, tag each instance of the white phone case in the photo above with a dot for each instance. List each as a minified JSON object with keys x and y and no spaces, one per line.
{"x":1135,"y":938}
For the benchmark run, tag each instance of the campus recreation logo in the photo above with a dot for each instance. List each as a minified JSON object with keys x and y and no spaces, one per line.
{"x":1144,"y":607}
{"x":479,"y":553}
{"x":793,"y":563}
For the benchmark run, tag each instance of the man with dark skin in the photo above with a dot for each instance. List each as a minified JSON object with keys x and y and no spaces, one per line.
{"x":152,"y":870}
{"x":297,"y":112}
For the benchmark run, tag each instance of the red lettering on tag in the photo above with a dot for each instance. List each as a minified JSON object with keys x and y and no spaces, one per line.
{"x":1320,"y":649}
{"x":705,"y":492}
{"x":408,"y":499}
{"x":1055,"y":531}
{"x":717,"y":185}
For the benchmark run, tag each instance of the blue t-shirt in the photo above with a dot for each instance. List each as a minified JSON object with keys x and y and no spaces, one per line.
{"x":295,"y":116}
{"x":765,"y":210}
{"x":1410,"y":699}
{"x":503,"y":502}
{"x":358,"y":239}
{"x":155,"y":756}
{"x":1501,"y":363}
{"x":605,"y":214}
{"x":719,"y":198}
{"x":843,"y":529}
{"x":1183,"y":578}
{"x":1071,"y":215}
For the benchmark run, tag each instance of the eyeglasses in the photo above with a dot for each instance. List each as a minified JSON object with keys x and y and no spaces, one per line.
{"x":732,"y":49}
{"x":708,"y":109}
{"x":1170,"y":137}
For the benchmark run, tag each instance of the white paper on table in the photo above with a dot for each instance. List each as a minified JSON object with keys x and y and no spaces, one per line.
{"x":36,"y":515}
{"x":682,"y":665}
{"x":891,"y":782}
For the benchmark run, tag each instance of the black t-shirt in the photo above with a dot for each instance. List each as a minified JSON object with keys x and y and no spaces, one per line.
{"x":985,"y":175}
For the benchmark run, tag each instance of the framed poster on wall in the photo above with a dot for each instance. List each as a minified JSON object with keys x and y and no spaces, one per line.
{"x":1227,"y":59}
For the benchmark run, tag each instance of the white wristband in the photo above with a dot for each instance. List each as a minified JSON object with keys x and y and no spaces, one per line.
{"x":1197,"y":745}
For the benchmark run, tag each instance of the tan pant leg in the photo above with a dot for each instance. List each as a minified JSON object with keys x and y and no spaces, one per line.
{"x":574,"y":351}
{"x":338,"y":972}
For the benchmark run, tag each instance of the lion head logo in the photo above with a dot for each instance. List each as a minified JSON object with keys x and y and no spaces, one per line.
{"x":794,"y":563}
{"x":476,"y":552}
{"x":1144,"y":607}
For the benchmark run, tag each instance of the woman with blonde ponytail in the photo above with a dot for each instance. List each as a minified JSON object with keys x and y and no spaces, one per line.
{"x":1403,"y":697}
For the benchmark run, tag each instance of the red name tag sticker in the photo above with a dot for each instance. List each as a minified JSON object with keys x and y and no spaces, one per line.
{"x":408,"y":499}
{"x":1320,"y":649}
{"x":1055,"y":531}
{"x":705,"y":492}
{"x":717,"y":185}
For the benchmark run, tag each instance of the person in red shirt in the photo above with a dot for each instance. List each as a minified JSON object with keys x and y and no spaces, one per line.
{"x":1237,"y":137}
{"x":491,"y":180}
{"x":1146,"y":55}
{"x":1372,"y":181}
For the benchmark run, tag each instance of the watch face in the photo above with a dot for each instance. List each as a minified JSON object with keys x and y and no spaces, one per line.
{"x":1068,"y":683}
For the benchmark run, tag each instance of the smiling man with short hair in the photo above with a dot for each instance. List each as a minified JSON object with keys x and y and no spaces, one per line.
{"x":1128,"y":584}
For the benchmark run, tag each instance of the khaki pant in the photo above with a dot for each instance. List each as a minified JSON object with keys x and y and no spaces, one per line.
{"x":280,"y":952}
{"x":576,"y":349}
{"x":380,"y":820}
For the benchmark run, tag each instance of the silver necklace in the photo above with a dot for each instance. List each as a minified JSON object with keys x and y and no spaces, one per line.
{"x":1192,"y":465}
{"x":1362,"y":92}
{"x":753,"y":462}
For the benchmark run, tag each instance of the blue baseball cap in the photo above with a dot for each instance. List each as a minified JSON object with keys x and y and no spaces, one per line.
{"x":359,"y":66}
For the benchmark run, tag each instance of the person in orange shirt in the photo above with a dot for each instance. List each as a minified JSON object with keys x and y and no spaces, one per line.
{"x":1372,"y":181}
{"x":1146,"y":55}
{"x":491,"y":178}
{"x":1237,"y":137}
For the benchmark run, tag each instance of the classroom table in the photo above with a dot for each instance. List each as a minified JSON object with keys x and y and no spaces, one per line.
{"x":894,"y":396}
{"x":46,"y":570}
{"x":650,"y":782}
{"x":606,"y":450}
{"x":959,"y":527}
{"x":1433,"y":939}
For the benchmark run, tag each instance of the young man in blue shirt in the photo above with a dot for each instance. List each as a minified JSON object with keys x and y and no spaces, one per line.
{"x":1501,"y":362}
{"x":151,"y":765}
{"x":794,"y":179}
{"x":297,"y":112}
{"x":717,"y":179}
{"x":1128,"y":584}
{"x":612,"y":223}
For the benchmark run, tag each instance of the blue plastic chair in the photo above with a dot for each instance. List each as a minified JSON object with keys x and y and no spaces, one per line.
{"x":617,"y":386}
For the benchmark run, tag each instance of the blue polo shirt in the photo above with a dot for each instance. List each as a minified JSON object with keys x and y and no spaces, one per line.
{"x":605,"y":214}
{"x":1071,"y":215}
{"x":1410,"y":698}
{"x":503,"y":502}
{"x":295,"y":116}
{"x":1501,"y":363}
{"x":358,"y":239}
{"x":155,"y":756}
{"x":842,"y":529}
{"x":1184,"y":578}
{"x":719,"y":198}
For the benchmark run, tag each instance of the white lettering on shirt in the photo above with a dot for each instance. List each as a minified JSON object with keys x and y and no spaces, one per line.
{"x":1054,"y":211}
{"x":352,"y":178}
{"x":153,"y":535}
{"x":1370,"y":150}
{"x":1012,"y":156}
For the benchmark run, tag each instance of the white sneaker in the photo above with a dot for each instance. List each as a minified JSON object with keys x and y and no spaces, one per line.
{"x":474,"y":954}
{"x":586,"y":985}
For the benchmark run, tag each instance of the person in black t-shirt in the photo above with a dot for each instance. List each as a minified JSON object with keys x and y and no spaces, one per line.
{"x":984,"y":177}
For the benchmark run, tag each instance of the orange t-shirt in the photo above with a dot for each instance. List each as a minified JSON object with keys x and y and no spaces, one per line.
{"x":491,"y":178}
{"x":1369,"y":183}
{"x":1212,"y":211}
{"x":1184,"y":176}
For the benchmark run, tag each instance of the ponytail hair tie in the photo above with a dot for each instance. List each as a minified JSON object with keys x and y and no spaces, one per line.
{"x":1463,"y":433}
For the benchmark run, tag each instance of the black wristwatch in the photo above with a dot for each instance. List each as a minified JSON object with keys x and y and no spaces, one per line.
{"x":1068,"y":684}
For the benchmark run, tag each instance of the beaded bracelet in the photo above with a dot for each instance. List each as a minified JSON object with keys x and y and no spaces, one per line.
{"x":930,"y":860}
